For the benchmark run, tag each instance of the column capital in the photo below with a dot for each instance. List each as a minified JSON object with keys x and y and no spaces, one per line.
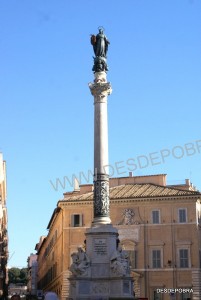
{"x":100,"y":90}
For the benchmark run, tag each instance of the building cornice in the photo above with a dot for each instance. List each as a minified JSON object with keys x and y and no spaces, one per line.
{"x":178,"y":198}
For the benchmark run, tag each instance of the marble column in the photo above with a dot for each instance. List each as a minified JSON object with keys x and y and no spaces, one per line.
{"x":100,"y":89}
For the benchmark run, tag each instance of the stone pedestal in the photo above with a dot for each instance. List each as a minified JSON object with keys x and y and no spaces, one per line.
{"x":103,"y":271}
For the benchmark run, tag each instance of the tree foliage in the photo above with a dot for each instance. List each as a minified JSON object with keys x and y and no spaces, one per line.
{"x":17,"y":275}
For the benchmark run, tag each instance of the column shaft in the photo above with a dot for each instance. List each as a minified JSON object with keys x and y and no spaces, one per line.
{"x":100,"y":89}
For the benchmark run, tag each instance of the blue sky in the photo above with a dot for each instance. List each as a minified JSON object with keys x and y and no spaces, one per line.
{"x":47,"y":110}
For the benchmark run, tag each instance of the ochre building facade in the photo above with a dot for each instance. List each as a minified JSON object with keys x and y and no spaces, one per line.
{"x":159,"y":227}
{"x":3,"y":231}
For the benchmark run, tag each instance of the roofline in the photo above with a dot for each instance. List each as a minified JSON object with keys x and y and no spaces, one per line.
{"x":139,"y":176}
{"x":41,"y":245}
{"x":188,"y":193}
{"x":55,"y":212}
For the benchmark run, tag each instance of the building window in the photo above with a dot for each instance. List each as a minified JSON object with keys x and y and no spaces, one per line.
{"x":156,"y":259}
{"x":183,"y":258}
{"x":156,"y":295}
{"x":182,"y":215}
{"x":76,"y":220}
{"x":155,"y":216}
{"x":185,"y":296}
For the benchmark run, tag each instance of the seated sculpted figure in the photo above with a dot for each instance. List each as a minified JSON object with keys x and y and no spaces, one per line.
{"x":119,"y":262}
{"x":80,"y":262}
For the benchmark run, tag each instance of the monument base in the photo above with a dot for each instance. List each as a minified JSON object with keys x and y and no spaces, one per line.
{"x":102,"y":272}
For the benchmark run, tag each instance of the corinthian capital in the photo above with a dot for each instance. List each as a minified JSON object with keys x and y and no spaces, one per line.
{"x":100,"y":90}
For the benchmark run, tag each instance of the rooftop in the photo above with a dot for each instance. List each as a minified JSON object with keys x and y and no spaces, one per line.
{"x":135,"y":187}
{"x":136,"y":191}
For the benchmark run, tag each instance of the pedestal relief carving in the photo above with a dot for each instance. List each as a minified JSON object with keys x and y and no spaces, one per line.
{"x":81,"y":263}
{"x":119,"y":263}
{"x":100,"y":288}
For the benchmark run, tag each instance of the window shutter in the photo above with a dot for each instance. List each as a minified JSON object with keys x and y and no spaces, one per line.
{"x":72,"y":221}
{"x":81,"y":219}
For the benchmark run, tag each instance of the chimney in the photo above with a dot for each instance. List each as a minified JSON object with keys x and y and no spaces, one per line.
{"x":187,"y":181}
{"x":76,"y":185}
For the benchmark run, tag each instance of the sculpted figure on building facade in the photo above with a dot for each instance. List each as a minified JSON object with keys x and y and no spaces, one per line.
{"x":128,"y":217}
{"x":100,"y":46}
{"x":80,"y":263}
{"x":119,"y":262}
